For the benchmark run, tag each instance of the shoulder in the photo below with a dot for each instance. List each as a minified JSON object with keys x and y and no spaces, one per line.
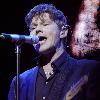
{"x":88,"y":66}
{"x":27,"y":75}
{"x":29,"y":72}
{"x":82,"y":62}
{"x":86,"y":62}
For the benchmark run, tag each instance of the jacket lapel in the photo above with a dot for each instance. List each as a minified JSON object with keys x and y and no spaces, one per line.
{"x":31,"y":84}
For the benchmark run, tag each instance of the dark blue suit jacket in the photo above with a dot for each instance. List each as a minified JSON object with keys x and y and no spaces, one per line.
{"x":71,"y":75}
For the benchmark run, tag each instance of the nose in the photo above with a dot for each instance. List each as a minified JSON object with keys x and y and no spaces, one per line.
{"x":39,"y":29}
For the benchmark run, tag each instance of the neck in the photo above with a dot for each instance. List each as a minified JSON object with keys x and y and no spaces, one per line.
{"x":48,"y":58}
{"x":58,"y":52}
{"x":48,"y":69}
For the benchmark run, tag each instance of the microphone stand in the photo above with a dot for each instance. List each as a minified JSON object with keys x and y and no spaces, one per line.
{"x":18,"y":52}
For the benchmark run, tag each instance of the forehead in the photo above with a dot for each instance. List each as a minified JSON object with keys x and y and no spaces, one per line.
{"x":44,"y":17}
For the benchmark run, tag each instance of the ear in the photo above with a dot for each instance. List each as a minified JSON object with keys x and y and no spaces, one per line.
{"x":63,"y":32}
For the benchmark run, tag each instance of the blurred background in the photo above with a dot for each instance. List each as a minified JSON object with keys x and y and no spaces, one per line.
{"x":12,"y":13}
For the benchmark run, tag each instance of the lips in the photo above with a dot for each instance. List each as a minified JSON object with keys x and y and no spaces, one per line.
{"x":42,"y":39}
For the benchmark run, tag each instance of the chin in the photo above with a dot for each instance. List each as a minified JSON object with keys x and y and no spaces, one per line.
{"x":43,"y":51}
{"x":47,"y":50}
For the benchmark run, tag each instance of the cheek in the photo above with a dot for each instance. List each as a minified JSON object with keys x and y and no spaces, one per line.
{"x":54,"y":39}
{"x":32,"y":32}
{"x":52,"y":33}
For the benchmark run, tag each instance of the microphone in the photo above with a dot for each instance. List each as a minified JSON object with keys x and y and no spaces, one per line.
{"x":31,"y":39}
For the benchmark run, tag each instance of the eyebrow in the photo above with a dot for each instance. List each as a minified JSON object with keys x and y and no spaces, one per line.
{"x":43,"y":20}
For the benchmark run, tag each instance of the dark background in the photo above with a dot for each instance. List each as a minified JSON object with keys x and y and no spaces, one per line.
{"x":12,"y":13}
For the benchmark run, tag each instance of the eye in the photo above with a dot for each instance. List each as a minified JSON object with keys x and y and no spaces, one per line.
{"x":31,"y":28}
{"x":45,"y":24}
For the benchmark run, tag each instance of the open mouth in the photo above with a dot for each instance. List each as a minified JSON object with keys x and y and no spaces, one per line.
{"x":42,"y":39}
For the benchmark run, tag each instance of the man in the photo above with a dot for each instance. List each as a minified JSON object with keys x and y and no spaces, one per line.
{"x":57,"y":75}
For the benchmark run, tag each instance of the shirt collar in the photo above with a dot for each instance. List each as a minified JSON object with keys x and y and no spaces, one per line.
{"x":57,"y":64}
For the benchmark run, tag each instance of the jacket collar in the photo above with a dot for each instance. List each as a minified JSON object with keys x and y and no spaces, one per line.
{"x":57,"y":64}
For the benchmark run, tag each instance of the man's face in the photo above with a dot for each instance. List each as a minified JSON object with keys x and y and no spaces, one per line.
{"x":48,"y":30}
